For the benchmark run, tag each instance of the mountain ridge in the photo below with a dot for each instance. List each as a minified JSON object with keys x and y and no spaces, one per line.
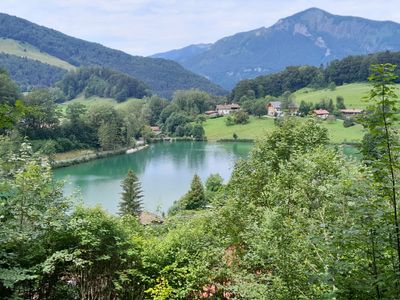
{"x":161,"y":75}
{"x":312,"y":37}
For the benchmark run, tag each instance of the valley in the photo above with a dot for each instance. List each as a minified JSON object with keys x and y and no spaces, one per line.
{"x":248,"y":168}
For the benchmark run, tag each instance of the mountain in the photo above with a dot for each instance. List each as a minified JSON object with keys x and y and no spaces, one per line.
{"x":310,"y":37}
{"x":184,"y":54}
{"x":61,"y":51}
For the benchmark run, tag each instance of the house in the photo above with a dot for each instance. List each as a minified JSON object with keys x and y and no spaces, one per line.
{"x":321,"y":113}
{"x":274,"y":109}
{"x":226,"y":109}
{"x":351,"y":112}
{"x":156,"y":130}
{"x":211,"y":113}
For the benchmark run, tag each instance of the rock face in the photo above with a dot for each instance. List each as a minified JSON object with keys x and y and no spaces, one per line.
{"x":311,"y":37}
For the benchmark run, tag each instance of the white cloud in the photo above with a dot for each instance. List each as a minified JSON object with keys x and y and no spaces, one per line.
{"x":145,"y":27}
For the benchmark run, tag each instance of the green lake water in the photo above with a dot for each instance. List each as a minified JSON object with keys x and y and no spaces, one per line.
{"x":165,"y":171}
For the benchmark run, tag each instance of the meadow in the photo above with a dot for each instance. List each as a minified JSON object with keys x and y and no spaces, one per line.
{"x":352,"y":93}
{"x":21,"y":49}
{"x":216,"y":129}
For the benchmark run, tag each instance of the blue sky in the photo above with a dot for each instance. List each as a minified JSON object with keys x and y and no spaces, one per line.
{"x":144,"y":27}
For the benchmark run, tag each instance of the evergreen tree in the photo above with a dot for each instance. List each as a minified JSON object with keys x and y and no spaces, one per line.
{"x":195,"y":198}
{"x":131,"y":203}
{"x":340,"y":103}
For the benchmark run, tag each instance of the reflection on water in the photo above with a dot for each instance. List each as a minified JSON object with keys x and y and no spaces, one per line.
{"x":165,"y":171}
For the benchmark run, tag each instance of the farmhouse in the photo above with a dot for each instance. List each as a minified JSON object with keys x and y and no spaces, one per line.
{"x":274,"y":109}
{"x":211,"y":113}
{"x":226,"y":109}
{"x":351,"y":112}
{"x":321,"y":113}
{"x":156,"y":130}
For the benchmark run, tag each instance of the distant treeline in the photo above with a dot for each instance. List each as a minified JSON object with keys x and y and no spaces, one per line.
{"x":30,"y":73}
{"x":102,"y":82}
{"x":348,"y":70}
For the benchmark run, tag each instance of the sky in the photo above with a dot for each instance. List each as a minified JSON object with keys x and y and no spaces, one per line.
{"x":145,"y":27}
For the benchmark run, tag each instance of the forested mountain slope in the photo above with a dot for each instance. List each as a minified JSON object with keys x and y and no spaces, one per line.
{"x":310,"y":37}
{"x":162,"y":76}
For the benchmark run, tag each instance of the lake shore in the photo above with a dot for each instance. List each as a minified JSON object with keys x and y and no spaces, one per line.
{"x":77,"y":157}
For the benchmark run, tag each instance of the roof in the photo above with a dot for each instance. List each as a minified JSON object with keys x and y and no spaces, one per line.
{"x":155,"y":128}
{"x":210,"y":112}
{"x":147,"y":218}
{"x":321,"y":112}
{"x":228,"y":106}
{"x":352,"y":111}
{"x":275,"y":104}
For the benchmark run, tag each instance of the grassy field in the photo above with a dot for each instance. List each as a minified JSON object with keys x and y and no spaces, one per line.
{"x":13,"y":47}
{"x":215,"y":129}
{"x":352,"y":94}
{"x":98,"y":100}
{"x":72,"y":154}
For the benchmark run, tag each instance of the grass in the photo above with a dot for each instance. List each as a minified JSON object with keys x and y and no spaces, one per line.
{"x":215,"y":129}
{"x":21,"y":49}
{"x":352,"y":94}
{"x":72,"y":154}
{"x":98,"y":100}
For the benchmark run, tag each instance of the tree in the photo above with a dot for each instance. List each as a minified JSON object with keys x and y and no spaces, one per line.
{"x":241,"y":117}
{"x":330,"y":107}
{"x":259,"y":108}
{"x":198,"y":131}
{"x":380,"y":125}
{"x":214,"y":182}
{"x":75,"y":111}
{"x":152,"y":109}
{"x":340,"y":103}
{"x":108,"y":135}
{"x":42,"y":114}
{"x":305,"y":108}
{"x":131,"y":202}
{"x":195,"y":198}
{"x":235,"y":136}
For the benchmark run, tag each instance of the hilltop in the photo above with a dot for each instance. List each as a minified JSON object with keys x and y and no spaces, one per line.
{"x":311,"y":37}
{"x":24,"y":39}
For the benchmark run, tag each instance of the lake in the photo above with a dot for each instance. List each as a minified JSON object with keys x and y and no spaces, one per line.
{"x":165,"y":171}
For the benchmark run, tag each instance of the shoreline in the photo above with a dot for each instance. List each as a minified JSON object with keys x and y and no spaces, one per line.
{"x":57,"y":164}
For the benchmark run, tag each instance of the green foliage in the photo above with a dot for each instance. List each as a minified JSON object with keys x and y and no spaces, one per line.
{"x":384,"y":159}
{"x":30,"y":74}
{"x":214,"y":183}
{"x":108,"y":134}
{"x":305,"y":108}
{"x":41,"y":115}
{"x":198,"y":132}
{"x":348,"y":70}
{"x":162,"y":76}
{"x":348,"y":122}
{"x":194,"y":199}
{"x":175,"y":123}
{"x":291,"y":79}
{"x":98,"y":81}
{"x":132,"y":194}
{"x":153,"y":108}
{"x":340,"y":103}
{"x":332,"y":86}
{"x":193,"y":102}
{"x":235,"y":136}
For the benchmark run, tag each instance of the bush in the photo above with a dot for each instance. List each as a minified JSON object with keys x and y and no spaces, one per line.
{"x":349,"y":122}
